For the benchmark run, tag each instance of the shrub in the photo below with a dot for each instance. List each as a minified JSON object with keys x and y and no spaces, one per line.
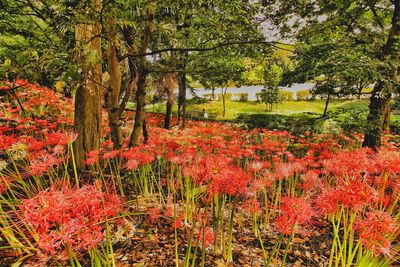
{"x":228,"y":97}
{"x":331,"y":126}
{"x":197,"y":100}
{"x":303,"y":95}
{"x":242,"y":97}
{"x":258,"y":97}
{"x":296,"y":124}
{"x":209,"y":96}
{"x":347,"y":121}
{"x":286,"y":95}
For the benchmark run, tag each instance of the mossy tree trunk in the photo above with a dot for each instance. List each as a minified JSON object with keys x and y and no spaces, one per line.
{"x":87,"y":120}
{"x":112,"y":96}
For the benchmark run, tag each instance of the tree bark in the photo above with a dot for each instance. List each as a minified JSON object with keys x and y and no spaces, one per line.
{"x":141,"y":82}
{"x":87,"y":120}
{"x":169,"y":84}
{"x":182,"y":90}
{"x":326,"y":104}
{"x":375,"y":118}
{"x":168,"y":113}
{"x":223,"y":101}
{"x":360,"y":88}
{"x":182,"y":100}
{"x":140,"y":104}
{"x":112,"y":96}
{"x":386,"y":114}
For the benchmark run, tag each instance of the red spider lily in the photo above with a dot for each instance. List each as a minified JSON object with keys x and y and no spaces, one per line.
{"x":4,"y":184}
{"x":311,"y":180}
{"x":132,"y":164}
{"x":374,"y":229}
{"x":177,"y":222}
{"x":231,"y":181}
{"x":349,"y":163}
{"x":252,"y":206}
{"x":69,"y":217}
{"x":353,"y":195}
{"x":43,"y":164}
{"x":327,"y":202}
{"x":35,"y":145}
{"x":111,"y":155}
{"x":356,"y":195}
{"x":92,"y":157}
{"x":295,"y":211}
{"x":208,"y":233}
{"x":255,"y":166}
{"x":154,"y":213}
{"x":6,"y":141}
{"x":169,"y":211}
{"x":283,"y":170}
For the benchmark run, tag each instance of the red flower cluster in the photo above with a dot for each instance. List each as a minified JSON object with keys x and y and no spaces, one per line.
{"x":373,"y":231}
{"x":295,"y":211}
{"x":208,"y":233}
{"x":69,"y":218}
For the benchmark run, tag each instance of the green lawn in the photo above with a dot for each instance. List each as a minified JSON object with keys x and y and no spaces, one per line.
{"x":252,"y":107}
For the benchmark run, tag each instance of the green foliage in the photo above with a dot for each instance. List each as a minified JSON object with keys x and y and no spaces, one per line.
{"x":348,"y":118}
{"x":35,"y":46}
{"x":228,"y":97}
{"x":303,"y":95}
{"x":351,"y":43}
{"x":296,"y":124}
{"x":272,"y":73}
{"x":285,"y":95}
{"x":270,"y":96}
{"x":196,"y":100}
{"x":242,"y":97}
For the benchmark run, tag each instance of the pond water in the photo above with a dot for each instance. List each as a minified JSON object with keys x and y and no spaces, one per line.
{"x":251,"y":90}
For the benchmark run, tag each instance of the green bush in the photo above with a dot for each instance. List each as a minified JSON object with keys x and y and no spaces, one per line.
{"x":242,"y":97}
{"x":196,"y":100}
{"x":208,"y":96}
{"x":258,"y":97}
{"x":341,"y":121}
{"x":296,"y":124}
{"x":228,"y":97}
{"x":285,"y":95}
{"x":351,"y":117}
{"x":303,"y":95}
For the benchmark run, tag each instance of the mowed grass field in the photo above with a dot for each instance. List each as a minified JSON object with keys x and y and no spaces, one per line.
{"x":233,"y":108}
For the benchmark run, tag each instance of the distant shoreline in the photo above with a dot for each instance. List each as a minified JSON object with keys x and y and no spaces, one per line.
{"x":251,"y":90}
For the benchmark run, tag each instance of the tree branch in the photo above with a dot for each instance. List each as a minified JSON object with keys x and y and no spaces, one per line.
{"x":204,"y":49}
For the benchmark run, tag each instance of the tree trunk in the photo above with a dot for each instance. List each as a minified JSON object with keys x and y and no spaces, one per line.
{"x":141,"y":82}
{"x":382,"y":92}
{"x":386,"y":114}
{"x":223,"y":101}
{"x":326,"y":104}
{"x":375,"y":118}
{"x":87,"y":120}
{"x":360,"y":88}
{"x":212,"y":93}
{"x":168,"y":113}
{"x":182,"y":100}
{"x":169,"y":84}
{"x":182,"y":90}
{"x":145,"y":132}
{"x":140,"y":104}
{"x":112,"y":95}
